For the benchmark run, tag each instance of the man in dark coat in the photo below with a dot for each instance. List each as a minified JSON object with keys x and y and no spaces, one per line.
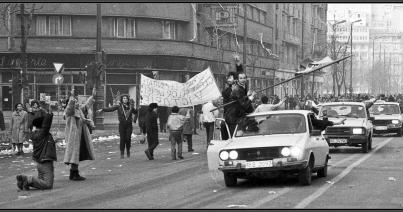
{"x":152,"y":130}
{"x":44,"y":155}
{"x":163,"y":113}
{"x":232,"y":77}
{"x":242,"y":105}
{"x":143,"y":110}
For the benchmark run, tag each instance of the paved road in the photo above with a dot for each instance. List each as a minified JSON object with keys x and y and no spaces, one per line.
{"x":355,"y":180}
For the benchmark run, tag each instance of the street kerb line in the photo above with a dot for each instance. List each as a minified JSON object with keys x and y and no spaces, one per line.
{"x":305,"y":202}
{"x":286,"y":190}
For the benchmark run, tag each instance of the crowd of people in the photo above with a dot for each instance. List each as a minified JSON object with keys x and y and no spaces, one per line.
{"x":35,"y":119}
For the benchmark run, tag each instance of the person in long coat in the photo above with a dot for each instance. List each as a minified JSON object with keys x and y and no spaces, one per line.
{"x":151,"y":125}
{"x":188,"y":126}
{"x":79,"y":145}
{"x":19,"y":128}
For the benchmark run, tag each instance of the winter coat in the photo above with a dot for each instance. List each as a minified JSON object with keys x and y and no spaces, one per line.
{"x":163,"y":113}
{"x":19,"y":127}
{"x":79,"y":145}
{"x":143,"y":110}
{"x":125,"y":116}
{"x":189,"y":124}
{"x":242,"y":106}
{"x":151,"y":123}
{"x":33,"y":115}
{"x":44,"y":146}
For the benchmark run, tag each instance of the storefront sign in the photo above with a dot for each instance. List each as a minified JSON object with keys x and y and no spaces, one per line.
{"x":197,"y":90}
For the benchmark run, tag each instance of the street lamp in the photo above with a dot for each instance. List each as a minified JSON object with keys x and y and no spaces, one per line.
{"x":351,"y":53}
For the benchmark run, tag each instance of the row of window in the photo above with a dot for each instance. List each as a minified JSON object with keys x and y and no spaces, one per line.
{"x":115,"y":27}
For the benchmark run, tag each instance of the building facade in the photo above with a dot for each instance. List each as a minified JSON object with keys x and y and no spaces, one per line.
{"x":174,"y":40}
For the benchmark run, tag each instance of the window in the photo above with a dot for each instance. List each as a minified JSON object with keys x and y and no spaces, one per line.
{"x":262,"y":17}
{"x":256,"y":14}
{"x":53,"y":25}
{"x":120,"y":27}
{"x":168,"y":30}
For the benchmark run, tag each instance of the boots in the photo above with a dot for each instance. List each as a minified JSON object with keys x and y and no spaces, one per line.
{"x":128,"y":152}
{"x":22,"y":182}
{"x":75,"y":176}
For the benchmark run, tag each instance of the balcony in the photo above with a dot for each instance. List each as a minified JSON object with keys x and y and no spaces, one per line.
{"x":289,"y":38}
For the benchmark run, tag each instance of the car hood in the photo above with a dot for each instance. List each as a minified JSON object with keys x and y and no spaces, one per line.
{"x":349,"y":122}
{"x":386,"y":117}
{"x":266,"y":141}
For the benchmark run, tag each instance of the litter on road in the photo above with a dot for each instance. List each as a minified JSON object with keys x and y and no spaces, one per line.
{"x":330,"y":182}
{"x":237,"y":206}
{"x":272,"y":192}
{"x":392,"y":179}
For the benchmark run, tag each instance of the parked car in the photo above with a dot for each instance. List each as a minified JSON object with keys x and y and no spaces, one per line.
{"x":387,"y":118}
{"x":271,"y":144}
{"x":357,"y":129}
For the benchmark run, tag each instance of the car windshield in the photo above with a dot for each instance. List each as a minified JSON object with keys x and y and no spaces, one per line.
{"x":337,"y":111}
{"x":272,"y":124}
{"x":384,"y":109}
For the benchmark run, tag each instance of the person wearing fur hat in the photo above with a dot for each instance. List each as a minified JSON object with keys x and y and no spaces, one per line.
{"x":151,"y":130}
{"x":126,"y":111}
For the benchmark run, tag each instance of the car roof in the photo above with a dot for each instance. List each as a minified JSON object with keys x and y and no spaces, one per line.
{"x":343,"y":103}
{"x":386,"y":103}
{"x":302,"y":112}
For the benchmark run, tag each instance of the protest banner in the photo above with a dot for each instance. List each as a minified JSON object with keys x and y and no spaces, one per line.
{"x":197,"y":90}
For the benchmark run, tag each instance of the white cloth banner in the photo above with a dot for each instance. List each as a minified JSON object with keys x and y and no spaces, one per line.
{"x":197,"y":90}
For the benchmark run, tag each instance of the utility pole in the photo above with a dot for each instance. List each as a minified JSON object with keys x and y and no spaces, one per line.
{"x":351,"y":53}
{"x":245,"y":36}
{"x":302,"y":48}
{"x":23,"y":48}
{"x":99,"y":98}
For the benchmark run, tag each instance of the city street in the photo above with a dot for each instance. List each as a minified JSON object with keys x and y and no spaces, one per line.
{"x":355,"y":180}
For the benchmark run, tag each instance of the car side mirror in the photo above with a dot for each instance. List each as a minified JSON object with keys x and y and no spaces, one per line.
{"x":371,"y":118}
{"x":316,"y":133}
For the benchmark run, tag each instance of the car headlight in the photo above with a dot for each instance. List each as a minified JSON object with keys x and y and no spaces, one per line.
{"x":295,"y":152}
{"x":285,"y":151}
{"x":395,"y":121}
{"x":224,"y":155}
{"x":357,"y":131}
{"x":233,"y":155}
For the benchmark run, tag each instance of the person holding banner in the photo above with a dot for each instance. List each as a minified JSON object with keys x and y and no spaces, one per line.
{"x":175,"y":127}
{"x":151,"y":125}
{"x":126,"y":111}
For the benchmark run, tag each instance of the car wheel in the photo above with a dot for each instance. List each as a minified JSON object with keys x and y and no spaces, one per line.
{"x":364,"y":146}
{"x":305,"y":175}
{"x":230,"y":179}
{"x":323,"y":171}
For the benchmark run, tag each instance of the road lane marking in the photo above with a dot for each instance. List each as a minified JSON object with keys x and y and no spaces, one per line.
{"x":305,"y":202}
{"x":286,"y":190}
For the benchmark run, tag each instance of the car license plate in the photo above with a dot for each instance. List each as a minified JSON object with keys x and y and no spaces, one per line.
{"x":338,"y":141}
{"x":381,"y":127}
{"x":259,"y":164}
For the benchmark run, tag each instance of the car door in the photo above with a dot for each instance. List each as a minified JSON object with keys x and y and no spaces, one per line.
{"x":318,"y":143}
{"x":216,"y":145}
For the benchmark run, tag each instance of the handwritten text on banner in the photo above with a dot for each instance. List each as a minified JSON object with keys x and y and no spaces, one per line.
{"x":197,"y":90}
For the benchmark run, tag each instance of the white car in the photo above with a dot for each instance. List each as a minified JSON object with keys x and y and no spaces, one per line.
{"x":357,"y":129}
{"x":387,"y":118}
{"x":269,"y":144}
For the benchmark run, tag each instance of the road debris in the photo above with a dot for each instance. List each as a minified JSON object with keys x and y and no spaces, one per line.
{"x":330,"y":182}
{"x":272,"y":192}
{"x":392,"y":179}
{"x":215,"y":191}
{"x":237,"y":206}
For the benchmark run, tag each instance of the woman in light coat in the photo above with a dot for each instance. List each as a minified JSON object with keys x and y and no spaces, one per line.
{"x":19,"y":127}
{"x":79,"y":145}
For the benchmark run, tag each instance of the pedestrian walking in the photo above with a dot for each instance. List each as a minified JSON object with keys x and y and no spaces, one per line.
{"x":143,"y":110}
{"x":126,"y":111}
{"x":175,"y":126}
{"x":2,"y":124}
{"x":79,"y":145}
{"x":209,"y":119}
{"x":151,"y":126}
{"x":163,"y":113}
{"x":18,"y":128}
{"x":44,"y":154}
{"x":188,"y":126}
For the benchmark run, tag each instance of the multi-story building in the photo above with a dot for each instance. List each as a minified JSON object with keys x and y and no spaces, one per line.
{"x":177,"y":40}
